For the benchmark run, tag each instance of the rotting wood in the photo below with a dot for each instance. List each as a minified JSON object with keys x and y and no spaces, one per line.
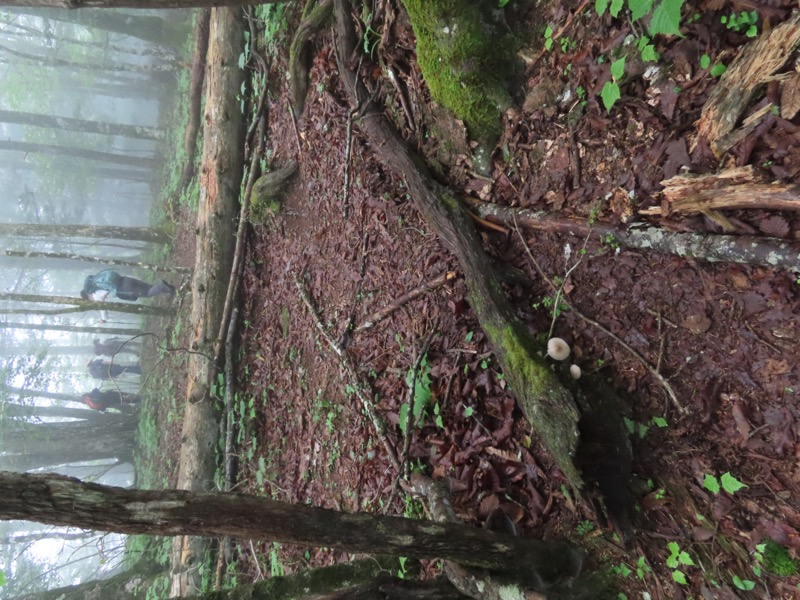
{"x":546,"y":403}
{"x":689,"y":196}
{"x":742,"y":249}
{"x":757,"y":64}
{"x":219,"y":196}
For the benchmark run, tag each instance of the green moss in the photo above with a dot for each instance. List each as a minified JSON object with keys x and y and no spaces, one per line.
{"x":465,"y":58}
{"x":777,"y":559}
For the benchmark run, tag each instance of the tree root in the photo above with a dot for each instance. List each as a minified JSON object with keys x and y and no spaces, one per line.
{"x":313,"y":19}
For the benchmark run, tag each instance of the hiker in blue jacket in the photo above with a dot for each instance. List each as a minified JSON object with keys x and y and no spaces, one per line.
{"x":108,"y":282}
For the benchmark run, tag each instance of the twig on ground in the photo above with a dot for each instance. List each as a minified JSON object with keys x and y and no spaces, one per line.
{"x":347,"y":150}
{"x":347,"y":334}
{"x":384,"y":312}
{"x":664,"y":383}
{"x":569,"y":271}
{"x":412,"y":388}
{"x":296,"y":132}
{"x":361,"y":390}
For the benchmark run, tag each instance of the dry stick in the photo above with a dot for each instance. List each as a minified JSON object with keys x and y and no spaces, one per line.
{"x":412,"y":388}
{"x":347,"y":150}
{"x":344,"y":339}
{"x":384,"y":312}
{"x":347,"y":362}
{"x":296,"y":132}
{"x":240,"y":244}
{"x":664,"y":383}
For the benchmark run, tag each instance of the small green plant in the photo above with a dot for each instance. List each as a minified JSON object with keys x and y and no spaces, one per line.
{"x":660,"y":422}
{"x":611,"y":92}
{"x":677,"y":559}
{"x":422,"y":395}
{"x":665,"y":19}
{"x":642,"y":568}
{"x":548,"y":38}
{"x":622,"y":570}
{"x":275,"y":564}
{"x":744,"y":22}
{"x":728,"y":482}
{"x":743,"y":584}
{"x":718,"y":69}
{"x":635,"y":428}
{"x":584,"y":527}
{"x":401,"y":572}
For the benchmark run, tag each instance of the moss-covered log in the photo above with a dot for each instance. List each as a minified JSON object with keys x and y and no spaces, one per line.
{"x":546,"y":403}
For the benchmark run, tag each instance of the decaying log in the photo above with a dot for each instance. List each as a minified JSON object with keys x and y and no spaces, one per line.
{"x":743,"y":249}
{"x":755,"y":66}
{"x":219,"y":201}
{"x":546,"y":403}
{"x":739,"y":188}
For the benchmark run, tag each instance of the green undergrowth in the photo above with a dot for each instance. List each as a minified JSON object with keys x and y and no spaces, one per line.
{"x":466,"y":58}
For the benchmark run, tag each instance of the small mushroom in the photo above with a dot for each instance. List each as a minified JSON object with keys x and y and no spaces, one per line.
{"x":557,"y":348}
{"x":575,"y":371}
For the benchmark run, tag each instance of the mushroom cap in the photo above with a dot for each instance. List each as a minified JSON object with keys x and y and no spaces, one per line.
{"x":557,"y":348}
{"x":575,"y":371}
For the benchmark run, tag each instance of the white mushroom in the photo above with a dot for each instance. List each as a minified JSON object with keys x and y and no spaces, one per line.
{"x":557,"y":348}
{"x":575,"y":371}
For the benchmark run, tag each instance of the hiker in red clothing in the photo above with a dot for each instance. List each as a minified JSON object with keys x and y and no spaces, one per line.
{"x":101,"y":400}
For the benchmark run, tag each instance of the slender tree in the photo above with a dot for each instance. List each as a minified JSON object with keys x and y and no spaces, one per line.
{"x":82,"y":125}
{"x":50,"y":231}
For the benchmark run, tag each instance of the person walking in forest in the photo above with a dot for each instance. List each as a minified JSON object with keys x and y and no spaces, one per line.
{"x":108,"y":282}
{"x":115,"y":345}
{"x":102,"y":400}
{"x":101,"y":369}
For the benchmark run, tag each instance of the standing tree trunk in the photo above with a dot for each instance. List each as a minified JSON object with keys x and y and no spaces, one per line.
{"x":59,"y":500}
{"x":97,"y":259}
{"x":70,"y":124}
{"x":138,"y":234}
{"x":73,"y":328}
{"x":79,"y":153}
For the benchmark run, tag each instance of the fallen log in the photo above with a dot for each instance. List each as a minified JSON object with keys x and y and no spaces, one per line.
{"x":743,"y":249}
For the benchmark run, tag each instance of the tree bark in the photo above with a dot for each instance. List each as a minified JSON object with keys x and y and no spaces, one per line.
{"x":60,"y":500}
{"x":546,"y":403}
{"x":219,"y":202}
{"x":71,"y":124}
{"x":139,"y":234}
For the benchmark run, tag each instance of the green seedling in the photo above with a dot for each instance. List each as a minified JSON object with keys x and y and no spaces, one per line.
{"x":744,"y":22}
{"x":728,"y":482}
{"x":611,"y":92}
{"x":677,"y":559}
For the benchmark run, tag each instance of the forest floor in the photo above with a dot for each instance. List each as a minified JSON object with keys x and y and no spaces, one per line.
{"x":726,"y":337}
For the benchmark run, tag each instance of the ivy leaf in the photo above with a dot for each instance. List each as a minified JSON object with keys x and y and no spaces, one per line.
{"x":743,"y":584}
{"x":667,"y":18}
{"x":618,"y":69}
{"x":639,"y":8}
{"x":600,"y":6}
{"x":616,"y":6}
{"x":685,"y":559}
{"x":711,"y":484}
{"x":679,"y":577}
{"x":705,"y":61}
{"x":660,"y":422}
{"x":730,"y":484}
{"x":718,"y":69}
{"x":649,"y":53}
